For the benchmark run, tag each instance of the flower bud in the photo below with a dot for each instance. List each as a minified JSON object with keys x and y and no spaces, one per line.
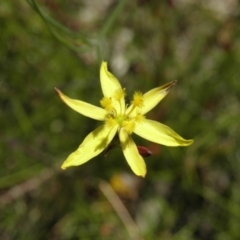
{"x":144,"y":152}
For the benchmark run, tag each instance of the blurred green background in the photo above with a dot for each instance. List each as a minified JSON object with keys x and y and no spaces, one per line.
{"x":188,"y":193}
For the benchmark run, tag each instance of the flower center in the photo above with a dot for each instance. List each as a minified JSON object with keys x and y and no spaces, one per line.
{"x":117,"y":112}
{"x":120,"y":119}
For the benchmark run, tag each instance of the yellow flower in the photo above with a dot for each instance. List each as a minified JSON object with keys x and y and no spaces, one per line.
{"x":119,"y":118}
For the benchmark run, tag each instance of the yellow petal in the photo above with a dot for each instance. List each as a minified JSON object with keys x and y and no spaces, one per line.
{"x":159,"y":133}
{"x":83,"y":108}
{"x":154,"y":96}
{"x":109,"y":83}
{"x":130,"y":152}
{"x":92,"y":145}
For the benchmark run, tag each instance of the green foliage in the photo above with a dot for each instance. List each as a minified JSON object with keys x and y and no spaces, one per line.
{"x":188,"y":193}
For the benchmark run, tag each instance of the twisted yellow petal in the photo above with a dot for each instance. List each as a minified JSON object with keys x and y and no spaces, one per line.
{"x":150,"y":99}
{"x":109,"y":83}
{"x":83,"y":108}
{"x":130,"y":152}
{"x":154,"y":96}
{"x":111,"y":88}
{"x":159,"y":133}
{"x":92,"y":145}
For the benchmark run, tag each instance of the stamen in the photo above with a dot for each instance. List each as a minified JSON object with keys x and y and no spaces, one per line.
{"x":137,"y":102}
{"x":139,"y":118}
{"x":129,"y":126}
{"x":106,"y":103}
{"x":138,"y":99}
{"x":111,"y":122}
